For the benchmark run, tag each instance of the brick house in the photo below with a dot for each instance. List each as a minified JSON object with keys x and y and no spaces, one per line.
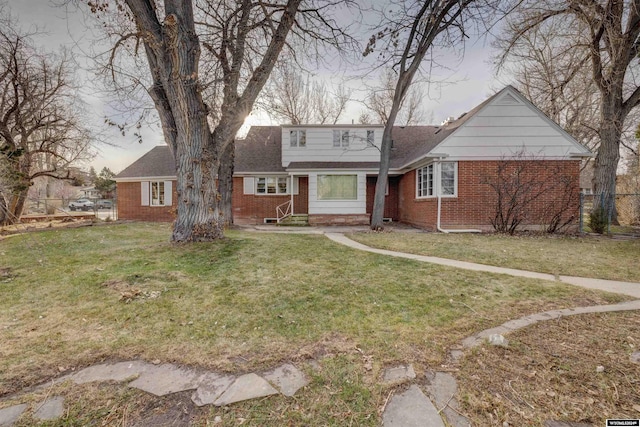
{"x":440,"y":176}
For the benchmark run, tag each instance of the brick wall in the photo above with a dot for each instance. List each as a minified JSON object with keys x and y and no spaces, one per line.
{"x":344,"y":219}
{"x":253,"y":209}
{"x":130,"y":206}
{"x":391,"y":200}
{"x":476,"y":201}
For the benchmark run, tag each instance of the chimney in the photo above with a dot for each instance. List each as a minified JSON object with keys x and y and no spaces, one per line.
{"x":447,"y":121}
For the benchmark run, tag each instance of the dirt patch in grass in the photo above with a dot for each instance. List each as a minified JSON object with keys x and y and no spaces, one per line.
{"x":576,"y":368}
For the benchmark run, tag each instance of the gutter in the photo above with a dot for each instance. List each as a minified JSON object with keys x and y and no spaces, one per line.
{"x":439,"y":197}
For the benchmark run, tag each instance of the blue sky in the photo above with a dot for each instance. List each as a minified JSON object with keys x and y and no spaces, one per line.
{"x":470,"y":81}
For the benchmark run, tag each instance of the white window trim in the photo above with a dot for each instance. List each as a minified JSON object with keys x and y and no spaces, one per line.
{"x":337,"y":200}
{"x":340,"y":138}
{"x":297,"y":140}
{"x":437,"y":184}
{"x":257,"y":178}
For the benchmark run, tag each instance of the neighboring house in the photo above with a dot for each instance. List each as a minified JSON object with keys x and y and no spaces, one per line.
{"x":88,"y":193}
{"x":437,"y":179}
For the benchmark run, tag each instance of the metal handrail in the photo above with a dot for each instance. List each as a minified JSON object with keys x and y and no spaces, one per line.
{"x":283,"y":211}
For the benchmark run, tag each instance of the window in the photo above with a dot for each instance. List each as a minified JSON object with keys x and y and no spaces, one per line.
{"x":341,"y":138}
{"x":298,"y":138}
{"x":156,"y":193}
{"x":448,"y":179}
{"x":447,"y":182}
{"x":337,"y":187}
{"x":370,"y":138}
{"x":272,"y":185}
{"x":425,"y":181}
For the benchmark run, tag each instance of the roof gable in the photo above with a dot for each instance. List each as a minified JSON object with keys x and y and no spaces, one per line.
{"x":158,"y":162}
{"x":507,"y":125}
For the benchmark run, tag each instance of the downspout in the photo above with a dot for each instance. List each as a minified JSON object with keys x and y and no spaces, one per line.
{"x":437,"y":176}
{"x":292,"y":192}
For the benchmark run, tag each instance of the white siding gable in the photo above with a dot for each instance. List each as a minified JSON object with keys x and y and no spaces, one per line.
{"x":509,"y":126}
{"x":319,"y":145}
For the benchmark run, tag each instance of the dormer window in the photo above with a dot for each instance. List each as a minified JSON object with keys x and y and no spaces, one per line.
{"x":341,"y":138}
{"x":370,"y":137}
{"x":298,"y":138}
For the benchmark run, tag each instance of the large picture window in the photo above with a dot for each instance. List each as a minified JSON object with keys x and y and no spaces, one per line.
{"x":426,"y":180}
{"x":272,"y":185}
{"x":337,"y":187}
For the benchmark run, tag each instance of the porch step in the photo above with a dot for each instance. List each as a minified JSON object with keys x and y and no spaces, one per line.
{"x":296,"y":220}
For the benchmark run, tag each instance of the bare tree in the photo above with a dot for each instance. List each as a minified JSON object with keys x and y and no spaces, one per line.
{"x":408,"y":31}
{"x":293,"y":97}
{"x":41,"y":133}
{"x":603,"y":36}
{"x":379,"y":100}
{"x":242,"y":41}
{"x":557,"y":82}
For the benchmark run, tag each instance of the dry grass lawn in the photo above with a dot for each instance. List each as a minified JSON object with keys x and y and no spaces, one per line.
{"x":72,"y":297}
{"x":590,"y":256}
{"x":550,"y":372}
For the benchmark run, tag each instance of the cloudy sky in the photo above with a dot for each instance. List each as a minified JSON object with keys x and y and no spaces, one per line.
{"x":470,"y":81}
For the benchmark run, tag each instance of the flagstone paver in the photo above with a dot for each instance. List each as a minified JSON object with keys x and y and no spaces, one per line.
{"x":211,"y":386}
{"x":287,"y":378}
{"x":8,"y":416}
{"x":442,"y":390}
{"x":411,"y":408}
{"x":51,"y":409}
{"x":398,"y":374}
{"x":166,"y":379}
{"x":249,"y":386}
{"x":120,"y":371}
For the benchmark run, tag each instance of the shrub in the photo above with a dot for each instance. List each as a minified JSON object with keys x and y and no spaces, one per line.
{"x":598,"y":220}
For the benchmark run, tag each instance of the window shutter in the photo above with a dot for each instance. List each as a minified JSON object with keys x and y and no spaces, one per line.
{"x":144,"y":191}
{"x":296,"y":185}
{"x":248,"y":184}
{"x":168,"y":193}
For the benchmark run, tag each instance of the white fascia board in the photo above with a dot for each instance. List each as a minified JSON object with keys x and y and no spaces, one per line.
{"x":146,"y":178}
{"x":427,"y":158}
{"x":241,"y":174}
{"x":336,"y":126}
{"x":589,"y":154}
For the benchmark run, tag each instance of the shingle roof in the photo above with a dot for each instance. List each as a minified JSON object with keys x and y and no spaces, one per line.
{"x":260,"y":151}
{"x":156,"y":163}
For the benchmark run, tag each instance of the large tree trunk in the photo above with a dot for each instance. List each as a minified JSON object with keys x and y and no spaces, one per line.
{"x":197,"y":162}
{"x":606,"y":164}
{"x":377,"y":215}
{"x":225,"y":182}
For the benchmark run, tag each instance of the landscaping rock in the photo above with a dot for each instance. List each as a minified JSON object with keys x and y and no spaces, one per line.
{"x":249,"y":386}
{"x":120,"y":371}
{"x":212,"y":385}
{"x":498,"y":340}
{"x":635,"y":357}
{"x":8,"y":416}
{"x":166,"y":379}
{"x":398,"y":374}
{"x":411,"y":409}
{"x":287,"y":378}
{"x":51,"y":409}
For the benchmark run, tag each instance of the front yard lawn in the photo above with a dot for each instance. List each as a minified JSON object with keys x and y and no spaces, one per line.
{"x":72,"y":297}
{"x":596,"y":257}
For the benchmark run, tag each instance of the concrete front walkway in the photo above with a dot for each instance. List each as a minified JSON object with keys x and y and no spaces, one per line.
{"x":614,"y":286}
